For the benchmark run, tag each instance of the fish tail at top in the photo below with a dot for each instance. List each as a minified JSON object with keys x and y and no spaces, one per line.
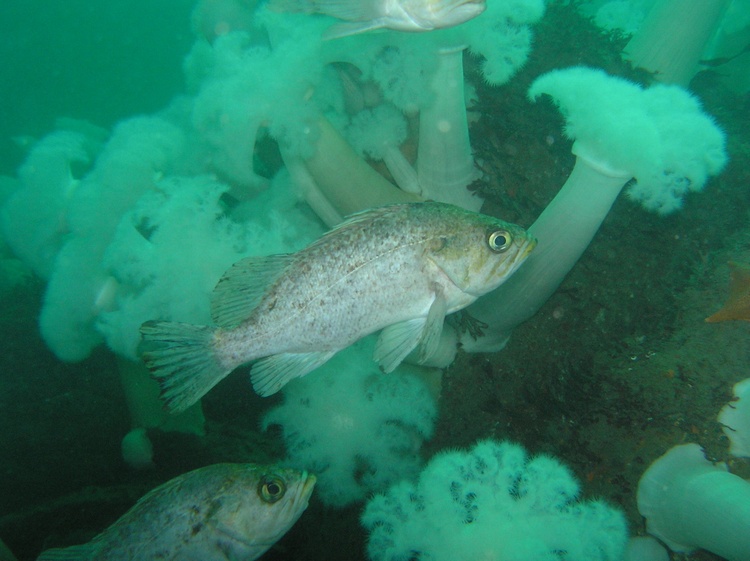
{"x":181,"y":358}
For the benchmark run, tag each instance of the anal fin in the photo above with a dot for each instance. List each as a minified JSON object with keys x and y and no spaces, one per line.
{"x":270,"y":374}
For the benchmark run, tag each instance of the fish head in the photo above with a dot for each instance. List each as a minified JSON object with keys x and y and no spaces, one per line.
{"x":479,"y":252}
{"x":438,"y":14}
{"x":258,"y":504}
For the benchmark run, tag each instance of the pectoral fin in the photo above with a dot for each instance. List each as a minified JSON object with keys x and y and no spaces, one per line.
{"x":433,"y":326}
{"x":398,"y":340}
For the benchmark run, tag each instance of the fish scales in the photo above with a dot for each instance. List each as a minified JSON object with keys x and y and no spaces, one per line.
{"x":219,"y":512}
{"x":325,"y":298}
{"x":400,"y":268}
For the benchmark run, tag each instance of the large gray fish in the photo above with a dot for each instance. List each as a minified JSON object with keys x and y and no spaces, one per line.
{"x":399,"y":268}
{"x":215,"y":513}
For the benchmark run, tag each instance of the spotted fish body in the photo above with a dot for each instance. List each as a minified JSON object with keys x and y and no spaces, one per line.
{"x":400,"y":268}
{"x":215,"y":513}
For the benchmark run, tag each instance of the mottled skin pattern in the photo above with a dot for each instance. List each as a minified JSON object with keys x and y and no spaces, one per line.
{"x":214,"y":513}
{"x":375,"y":271}
{"x":400,"y":268}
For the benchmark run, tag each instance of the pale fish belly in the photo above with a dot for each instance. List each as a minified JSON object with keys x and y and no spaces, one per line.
{"x":181,"y":548}
{"x":168,"y":534}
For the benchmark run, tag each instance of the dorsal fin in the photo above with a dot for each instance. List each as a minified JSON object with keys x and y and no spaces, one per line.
{"x":243,"y":286}
{"x":354,"y":221}
{"x":246,"y":282}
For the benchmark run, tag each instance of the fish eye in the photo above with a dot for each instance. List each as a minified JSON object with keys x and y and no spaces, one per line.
{"x":499,"y":240}
{"x":271,"y":488}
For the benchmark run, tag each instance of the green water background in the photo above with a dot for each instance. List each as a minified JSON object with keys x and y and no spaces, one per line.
{"x":98,"y":61}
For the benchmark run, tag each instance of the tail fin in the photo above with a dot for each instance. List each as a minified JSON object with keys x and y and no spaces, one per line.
{"x":181,"y":358}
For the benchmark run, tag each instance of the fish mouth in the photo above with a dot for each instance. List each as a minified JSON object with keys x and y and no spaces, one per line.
{"x":304,"y":491}
{"x":308,"y":485}
{"x":526,"y":248}
{"x":523,"y":253}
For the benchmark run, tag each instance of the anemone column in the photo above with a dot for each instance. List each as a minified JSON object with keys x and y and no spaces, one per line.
{"x":445,"y":166}
{"x":336,"y":182}
{"x":688,"y":503}
{"x":658,"y":136}
{"x":563,"y":231}
{"x":673,"y":36}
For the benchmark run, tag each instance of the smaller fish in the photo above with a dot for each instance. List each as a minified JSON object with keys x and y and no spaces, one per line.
{"x":400,"y":15}
{"x":215,"y":513}
{"x":721,"y":61}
